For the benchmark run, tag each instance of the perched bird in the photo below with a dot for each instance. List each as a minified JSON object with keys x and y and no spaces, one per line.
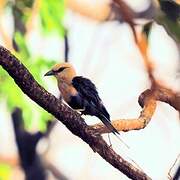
{"x":80,"y":93}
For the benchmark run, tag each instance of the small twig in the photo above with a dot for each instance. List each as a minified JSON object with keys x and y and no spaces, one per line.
{"x":66,"y":46}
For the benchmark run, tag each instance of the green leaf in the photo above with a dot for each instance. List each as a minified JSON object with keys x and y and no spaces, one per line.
{"x":51,"y":16}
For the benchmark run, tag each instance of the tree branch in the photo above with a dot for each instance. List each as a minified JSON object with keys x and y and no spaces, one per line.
{"x":149,"y":104}
{"x":66,"y":115}
{"x":164,"y":95}
{"x":147,"y":100}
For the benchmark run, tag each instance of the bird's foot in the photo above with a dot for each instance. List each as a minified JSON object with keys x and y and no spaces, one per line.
{"x":80,"y":111}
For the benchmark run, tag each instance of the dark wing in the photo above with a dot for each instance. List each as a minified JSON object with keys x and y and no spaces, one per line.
{"x":86,"y":88}
{"x":88,"y":91}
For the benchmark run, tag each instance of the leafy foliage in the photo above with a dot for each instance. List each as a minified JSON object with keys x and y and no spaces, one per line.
{"x":51,"y":13}
{"x":51,"y":16}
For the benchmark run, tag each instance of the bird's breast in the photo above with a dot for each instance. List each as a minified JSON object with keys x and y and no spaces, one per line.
{"x":67,"y":91}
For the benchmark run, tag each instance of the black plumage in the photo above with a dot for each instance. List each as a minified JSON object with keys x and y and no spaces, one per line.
{"x":88,"y":100}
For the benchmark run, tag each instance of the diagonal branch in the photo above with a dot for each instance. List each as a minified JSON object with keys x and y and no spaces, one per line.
{"x":66,"y":115}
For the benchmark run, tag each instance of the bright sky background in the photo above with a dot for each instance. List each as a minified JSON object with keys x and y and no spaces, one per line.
{"x":107,"y":55}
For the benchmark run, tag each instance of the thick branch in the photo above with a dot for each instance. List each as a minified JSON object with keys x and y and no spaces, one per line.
{"x":66,"y":115}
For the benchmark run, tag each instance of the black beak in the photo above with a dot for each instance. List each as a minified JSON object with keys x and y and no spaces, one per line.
{"x":49,"y":73}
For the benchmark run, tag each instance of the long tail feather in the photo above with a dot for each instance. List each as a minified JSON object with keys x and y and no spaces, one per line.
{"x":112,"y":129}
{"x":108,"y":124}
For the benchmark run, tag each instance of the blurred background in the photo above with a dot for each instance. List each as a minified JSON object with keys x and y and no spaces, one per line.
{"x":95,"y":36}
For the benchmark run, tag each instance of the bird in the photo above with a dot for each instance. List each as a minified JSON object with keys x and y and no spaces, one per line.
{"x":80,"y":93}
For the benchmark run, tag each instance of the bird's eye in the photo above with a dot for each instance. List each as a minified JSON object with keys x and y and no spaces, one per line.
{"x":60,"y":69}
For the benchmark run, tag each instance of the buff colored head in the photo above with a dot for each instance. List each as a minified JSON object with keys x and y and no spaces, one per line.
{"x":62,"y":72}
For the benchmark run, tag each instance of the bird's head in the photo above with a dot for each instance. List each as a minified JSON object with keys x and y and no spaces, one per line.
{"x":62,"y":72}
